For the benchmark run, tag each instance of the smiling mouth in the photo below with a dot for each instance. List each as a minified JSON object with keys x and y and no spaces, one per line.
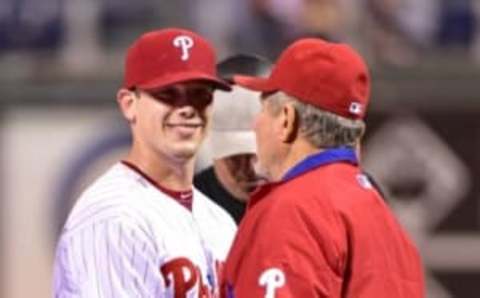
{"x":185,"y":130}
{"x":188,"y":125}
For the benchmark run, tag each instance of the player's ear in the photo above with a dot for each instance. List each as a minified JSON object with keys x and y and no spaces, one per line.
{"x":289,"y":130}
{"x":127,"y":101}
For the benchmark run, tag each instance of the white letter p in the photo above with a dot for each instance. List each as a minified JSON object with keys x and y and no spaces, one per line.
{"x":271,"y":279}
{"x":185,"y":43}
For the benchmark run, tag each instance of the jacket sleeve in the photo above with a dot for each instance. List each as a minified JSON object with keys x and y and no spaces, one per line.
{"x":291,"y":252}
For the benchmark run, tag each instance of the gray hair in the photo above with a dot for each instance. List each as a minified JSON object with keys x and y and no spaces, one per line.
{"x":321,"y":128}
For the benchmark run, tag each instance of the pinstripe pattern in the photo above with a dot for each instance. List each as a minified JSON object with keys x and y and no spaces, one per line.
{"x":123,"y":230}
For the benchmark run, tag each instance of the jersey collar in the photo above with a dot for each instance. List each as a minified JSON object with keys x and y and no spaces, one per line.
{"x":341,"y":154}
{"x":329,"y":156}
{"x":184,"y":198}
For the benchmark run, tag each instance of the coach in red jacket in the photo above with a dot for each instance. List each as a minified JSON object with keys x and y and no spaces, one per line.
{"x":319,"y":229}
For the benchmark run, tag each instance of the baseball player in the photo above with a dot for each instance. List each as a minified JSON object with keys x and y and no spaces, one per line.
{"x":320,"y":229}
{"x":142,"y":230}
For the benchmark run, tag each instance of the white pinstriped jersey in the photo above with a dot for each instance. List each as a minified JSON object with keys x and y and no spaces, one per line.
{"x":126,"y":238}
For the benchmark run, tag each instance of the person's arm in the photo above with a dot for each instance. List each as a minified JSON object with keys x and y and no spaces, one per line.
{"x":294,"y":253}
{"x":112,"y":258}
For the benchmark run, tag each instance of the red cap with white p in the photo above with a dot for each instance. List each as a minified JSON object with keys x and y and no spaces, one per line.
{"x":164,"y":57}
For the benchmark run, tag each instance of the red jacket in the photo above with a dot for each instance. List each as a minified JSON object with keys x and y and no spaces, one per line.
{"x":325,"y":232}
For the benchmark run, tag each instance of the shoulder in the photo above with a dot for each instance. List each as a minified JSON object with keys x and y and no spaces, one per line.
{"x":330,"y":187}
{"x":331,"y":197}
{"x":304,"y":194}
{"x":206,"y":207}
{"x":300,"y":206}
{"x":108,"y":199}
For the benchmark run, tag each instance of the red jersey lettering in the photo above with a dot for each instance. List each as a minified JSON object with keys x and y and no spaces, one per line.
{"x":174,"y":271}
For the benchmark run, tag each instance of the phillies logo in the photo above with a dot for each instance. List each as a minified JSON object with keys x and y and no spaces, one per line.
{"x":271,"y":279}
{"x":185,"y":43}
{"x":184,"y":276}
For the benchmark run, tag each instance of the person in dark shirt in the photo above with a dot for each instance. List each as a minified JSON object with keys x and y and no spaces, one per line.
{"x":207,"y":181}
{"x":225,"y":172}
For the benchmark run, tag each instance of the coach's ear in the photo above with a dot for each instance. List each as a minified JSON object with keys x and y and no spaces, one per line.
{"x":289,"y":123}
{"x":126,"y":101}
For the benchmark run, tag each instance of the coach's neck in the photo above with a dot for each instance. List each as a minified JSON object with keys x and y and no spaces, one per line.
{"x":292,"y":155}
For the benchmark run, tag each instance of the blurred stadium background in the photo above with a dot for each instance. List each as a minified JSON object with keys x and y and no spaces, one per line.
{"x":61,"y":64}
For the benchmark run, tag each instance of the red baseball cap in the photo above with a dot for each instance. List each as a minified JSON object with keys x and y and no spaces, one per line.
{"x":169,"y":56}
{"x":330,"y":76}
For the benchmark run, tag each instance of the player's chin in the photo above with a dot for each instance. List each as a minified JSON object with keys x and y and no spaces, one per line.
{"x":187,"y":150}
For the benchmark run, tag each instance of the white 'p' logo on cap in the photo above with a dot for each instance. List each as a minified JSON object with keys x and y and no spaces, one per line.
{"x":272,"y":279}
{"x":185,"y":43}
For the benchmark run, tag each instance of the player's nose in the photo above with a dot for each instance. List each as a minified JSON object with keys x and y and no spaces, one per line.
{"x":187,"y":111}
